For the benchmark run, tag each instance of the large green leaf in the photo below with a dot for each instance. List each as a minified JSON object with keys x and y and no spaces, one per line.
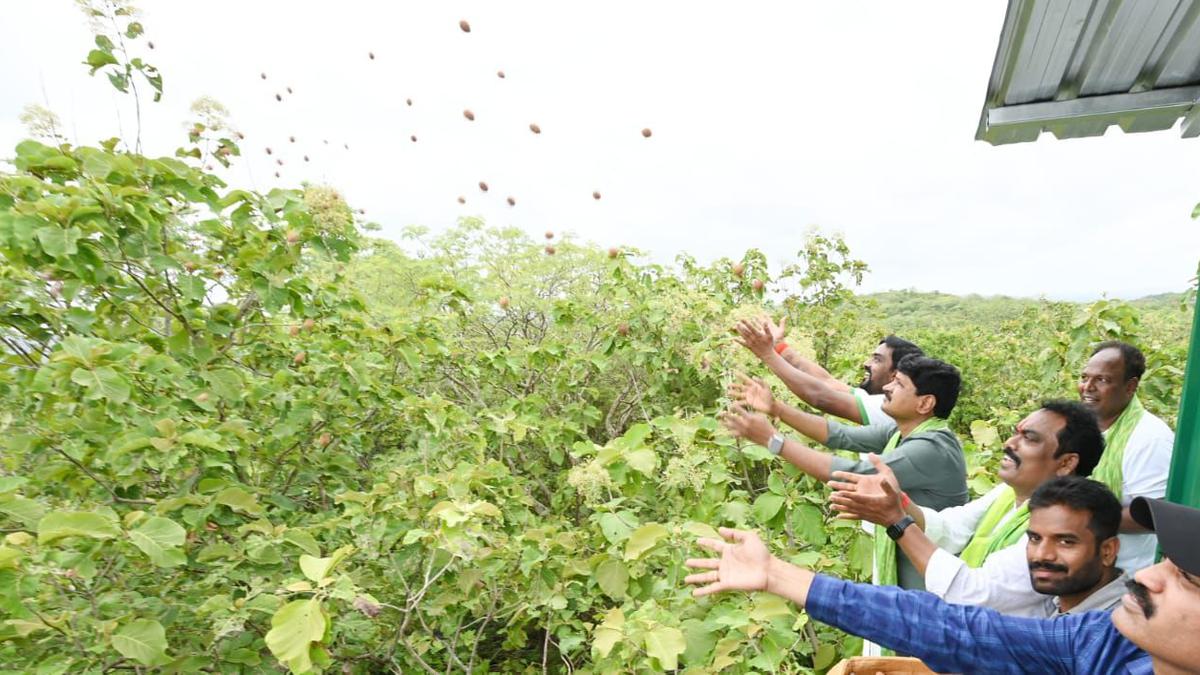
{"x":294,"y":628}
{"x":609,"y":633}
{"x":767,"y":505}
{"x":642,"y":460}
{"x":665,"y":644}
{"x":142,"y":640}
{"x":613,"y":578}
{"x":319,"y":568}
{"x":58,"y":524}
{"x":643,"y":539}
{"x":239,"y":500}
{"x":58,"y":242}
{"x":160,"y":539}
{"x":21,"y":509}
{"x":102,"y":382}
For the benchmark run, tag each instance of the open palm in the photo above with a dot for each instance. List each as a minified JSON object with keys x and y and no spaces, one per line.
{"x":743,"y":564}
{"x":753,"y":393}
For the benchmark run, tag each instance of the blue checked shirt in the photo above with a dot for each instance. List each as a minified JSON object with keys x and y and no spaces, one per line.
{"x":958,"y":638}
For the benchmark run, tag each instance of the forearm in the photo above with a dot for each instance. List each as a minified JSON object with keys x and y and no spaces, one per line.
{"x":788,"y":581}
{"x":806,"y":367}
{"x":813,"y":426}
{"x":815,"y":463}
{"x":917,"y":547}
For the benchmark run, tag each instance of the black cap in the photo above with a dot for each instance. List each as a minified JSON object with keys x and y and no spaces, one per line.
{"x":1176,"y":527}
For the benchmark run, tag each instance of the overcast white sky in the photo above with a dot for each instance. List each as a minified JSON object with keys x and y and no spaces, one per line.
{"x":768,"y":118}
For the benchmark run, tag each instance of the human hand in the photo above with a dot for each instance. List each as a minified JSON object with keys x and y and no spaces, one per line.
{"x":875,"y":498}
{"x":747,"y":424}
{"x":778,"y":330}
{"x":743,"y":565}
{"x":753,"y":393}
{"x":756,"y":336}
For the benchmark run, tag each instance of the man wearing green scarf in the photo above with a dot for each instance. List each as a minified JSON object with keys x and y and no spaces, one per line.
{"x":1138,"y":445}
{"x":976,"y":554}
{"x":925,"y":456}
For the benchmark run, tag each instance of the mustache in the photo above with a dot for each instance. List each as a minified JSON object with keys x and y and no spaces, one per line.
{"x":1011,"y":454}
{"x":1049,"y":567}
{"x":1142,"y":595}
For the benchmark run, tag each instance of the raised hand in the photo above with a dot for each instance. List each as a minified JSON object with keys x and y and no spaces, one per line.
{"x":753,"y":393}
{"x":875,"y":498}
{"x":747,"y":424}
{"x":778,"y":330}
{"x":756,"y":336}
{"x":742,"y":566}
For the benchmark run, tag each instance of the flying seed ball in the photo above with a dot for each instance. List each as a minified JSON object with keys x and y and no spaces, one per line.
{"x":306,"y":158}
{"x":466,"y":27}
{"x":150,"y":44}
{"x":289,"y":90}
{"x":595,"y":195}
{"x":414,"y":139}
{"x":278,"y":97}
{"x":264,"y":76}
{"x":483,"y":186}
{"x":292,"y":139}
{"x":549,"y":234}
{"x":372,"y":55}
{"x":462,"y":200}
{"x":268,"y":151}
{"x":240,"y":135}
{"x":408,"y":101}
{"x":346,"y":146}
{"x":550,"y":250}
{"x":500,"y":74}
{"x":646,"y":133}
{"x":279,"y":162}
{"x":469,"y":115}
{"x":535,"y":128}
{"x":512,"y":202}
{"x":277,"y":174}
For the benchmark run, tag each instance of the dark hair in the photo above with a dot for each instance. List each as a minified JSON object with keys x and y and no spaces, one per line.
{"x":931,"y":376}
{"x":1132,"y":357}
{"x":1082,"y":494}
{"x":1081,"y":435}
{"x":900,"y":349}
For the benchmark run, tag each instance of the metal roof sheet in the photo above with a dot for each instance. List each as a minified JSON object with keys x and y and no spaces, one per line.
{"x":1076,"y":67}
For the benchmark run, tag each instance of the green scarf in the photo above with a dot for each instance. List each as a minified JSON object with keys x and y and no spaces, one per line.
{"x":988,"y":539}
{"x":1108,"y":471}
{"x":885,"y":548}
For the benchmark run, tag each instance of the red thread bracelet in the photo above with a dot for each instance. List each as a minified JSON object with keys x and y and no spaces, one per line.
{"x":781,"y":348}
{"x":904,"y":500}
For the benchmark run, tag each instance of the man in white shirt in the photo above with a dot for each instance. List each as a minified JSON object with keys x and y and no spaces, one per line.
{"x":815,"y":386}
{"x":975,"y":553}
{"x":1138,"y":445}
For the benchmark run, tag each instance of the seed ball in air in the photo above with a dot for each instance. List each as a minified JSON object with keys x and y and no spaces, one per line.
{"x":535,"y":128}
{"x":550,"y":250}
{"x":466,"y":27}
{"x":462,"y":200}
{"x":469,"y":115}
{"x":279,"y":162}
{"x":268,"y":151}
{"x":512,"y":202}
{"x":414,"y":139}
{"x":362,"y":212}
{"x":278,"y":97}
{"x":549,"y":234}
{"x":595,"y":195}
{"x":150,"y":44}
{"x":306,"y":158}
{"x":346,"y":146}
{"x":372,"y":55}
{"x":325,"y":141}
{"x":264,"y":76}
{"x":500,"y":74}
{"x":408,"y":101}
{"x":292,"y":139}
{"x":240,"y":135}
{"x":277,"y":174}
{"x":208,"y":167}
{"x":646,"y":133}
{"x":483,"y":186}
{"x":289,"y":90}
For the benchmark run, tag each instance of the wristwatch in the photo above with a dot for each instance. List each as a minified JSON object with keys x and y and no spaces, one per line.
{"x":775,"y":445}
{"x":896,"y":530}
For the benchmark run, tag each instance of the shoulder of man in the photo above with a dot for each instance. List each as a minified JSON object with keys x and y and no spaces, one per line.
{"x":1153,"y":424}
{"x":935,"y":437}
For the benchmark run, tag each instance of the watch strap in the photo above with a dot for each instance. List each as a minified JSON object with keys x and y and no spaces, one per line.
{"x":775,"y":445}
{"x":896,"y":530}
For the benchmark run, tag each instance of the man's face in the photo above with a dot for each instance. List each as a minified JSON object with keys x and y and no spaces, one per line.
{"x":901,"y":400}
{"x":1063,"y":554}
{"x":1029,"y":457}
{"x":1161,"y":614}
{"x":1102,"y":384}
{"x":878,"y":369}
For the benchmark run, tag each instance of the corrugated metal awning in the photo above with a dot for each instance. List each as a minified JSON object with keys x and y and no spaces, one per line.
{"x":1075,"y":67}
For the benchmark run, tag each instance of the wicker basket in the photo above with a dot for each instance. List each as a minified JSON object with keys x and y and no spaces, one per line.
{"x":871,"y":665}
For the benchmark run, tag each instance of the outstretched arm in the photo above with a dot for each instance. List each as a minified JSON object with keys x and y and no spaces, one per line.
{"x":813,"y":384}
{"x":756,"y":428}
{"x":877,"y":498}
{"x":754,"y":393}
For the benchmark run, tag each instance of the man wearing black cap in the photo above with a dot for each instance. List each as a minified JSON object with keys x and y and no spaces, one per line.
{"x":1154,"y":630}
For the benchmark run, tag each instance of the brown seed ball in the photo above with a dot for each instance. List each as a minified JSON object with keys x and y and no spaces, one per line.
{"x":466,"y":27}
{"x":623,"y":329}
{"x":306,"y":158}
{"x":595,"y":195}
{"x":346,"y":146}
{"x":483,"y":186}
{"x":269,"y":151}
{"x":462,"y":200}
{"x":240,"y":135}
{"x":469,"y":115}
{"x":646,"y":133}
{"x":309,"y":324}
{"x":362,"y":212}
{"x":500,"y":74}
{"x":150,"y":44}
{"x":550,"y":250}
{"x":408,"y":101}
{"x":324,"y":439}
{"x":289,"y":90}
{"x":208,"y":167}
{"x":278,"y":97}
{"x":512,"y":202}
{"x":291,"y":139}
{"x":503,"y":302}
{"x":189,"y":266}
{"x":535,"y":128}
{"x":292,"y":236}
{"x":549,"y":234}
{"x":414,"y":139}
{"x":757,"y":284}
{"x":277,"y":174}
{"x":279,"y":162}
{"x":299,"y":358}
{"x":371,"y":55}
{"x":264,"y":76}
{"x":738,"y":269}
{"x":294,"y":331}
{"x":614,"y":252}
